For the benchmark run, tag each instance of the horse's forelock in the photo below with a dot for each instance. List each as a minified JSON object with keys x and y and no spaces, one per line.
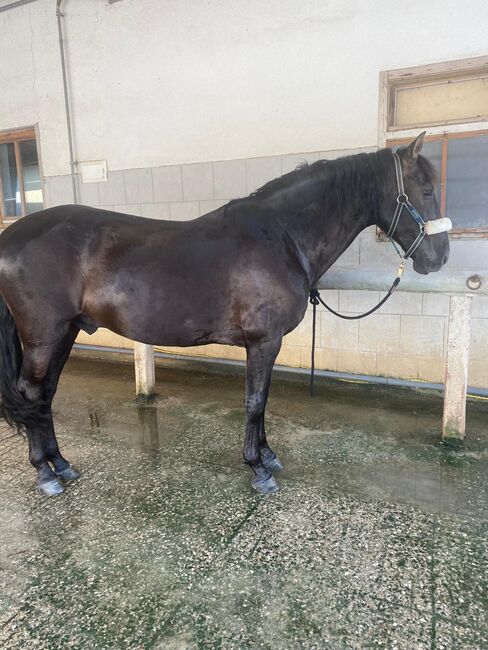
{"x":428,"y":170}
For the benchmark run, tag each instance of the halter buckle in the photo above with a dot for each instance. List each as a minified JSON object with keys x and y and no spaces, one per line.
{"x":401,"y":269}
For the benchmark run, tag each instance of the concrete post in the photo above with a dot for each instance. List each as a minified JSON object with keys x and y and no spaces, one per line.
{"x":458,"y":336}
{"x":144,"y":368}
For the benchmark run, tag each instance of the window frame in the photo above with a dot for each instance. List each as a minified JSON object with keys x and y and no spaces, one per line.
{"x":390,"y":135}
{"x":15,"y":137}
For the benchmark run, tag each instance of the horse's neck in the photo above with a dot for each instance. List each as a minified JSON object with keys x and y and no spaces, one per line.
{"x":322,"y":237}
{"x":325,"y":206}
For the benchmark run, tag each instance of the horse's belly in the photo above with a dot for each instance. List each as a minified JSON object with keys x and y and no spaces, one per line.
{"x":172,"y":329}
{"x":189,"y":332}
{"x":188,"y":338}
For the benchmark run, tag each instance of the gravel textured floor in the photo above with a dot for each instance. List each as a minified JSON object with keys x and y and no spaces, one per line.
{"x":378,"y":538}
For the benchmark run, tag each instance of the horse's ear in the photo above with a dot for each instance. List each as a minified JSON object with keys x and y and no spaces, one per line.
{"x":414,"y":148}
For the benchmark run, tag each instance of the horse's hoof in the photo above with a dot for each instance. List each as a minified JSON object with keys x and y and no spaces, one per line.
{"x":265,"y":486}
{"x":273,"y":464}
{"x":69,"y":474}
{"x":51,"y":488}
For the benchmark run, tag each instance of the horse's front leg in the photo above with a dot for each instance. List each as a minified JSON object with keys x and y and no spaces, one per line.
{"x":260,"y":360}
{"x":268,"y":457}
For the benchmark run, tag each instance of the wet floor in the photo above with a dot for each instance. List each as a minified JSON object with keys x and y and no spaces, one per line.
{"x":378,"y":538}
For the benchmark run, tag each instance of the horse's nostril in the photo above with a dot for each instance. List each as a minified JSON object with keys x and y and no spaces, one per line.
{"x":444,"y":259}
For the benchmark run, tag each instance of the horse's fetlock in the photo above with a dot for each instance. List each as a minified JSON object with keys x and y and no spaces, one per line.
{"x":251,"y":454}
{"x":37,"y":458}
{"x":252,"y":459}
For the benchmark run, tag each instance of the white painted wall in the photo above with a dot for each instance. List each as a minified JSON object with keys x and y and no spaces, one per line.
{"x":164,"y":81}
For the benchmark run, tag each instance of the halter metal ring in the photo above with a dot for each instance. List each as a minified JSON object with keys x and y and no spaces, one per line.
{"x":402,"y":198}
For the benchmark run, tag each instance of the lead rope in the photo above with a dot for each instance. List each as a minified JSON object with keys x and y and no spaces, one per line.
{"x":315,"y":299}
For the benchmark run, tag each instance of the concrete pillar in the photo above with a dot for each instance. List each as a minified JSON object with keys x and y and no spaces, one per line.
{"x":458,"y":336}
{"x":144,"y":368}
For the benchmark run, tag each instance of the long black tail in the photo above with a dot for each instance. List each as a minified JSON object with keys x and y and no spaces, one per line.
{"x":14,"y":407}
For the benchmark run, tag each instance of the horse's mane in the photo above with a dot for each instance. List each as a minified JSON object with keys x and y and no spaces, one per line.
{"x":358,"y":180}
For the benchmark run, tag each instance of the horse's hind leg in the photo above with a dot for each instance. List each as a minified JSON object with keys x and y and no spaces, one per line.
{"x":260,"y":359}
{"x":63,"y":468}
{"x":31,"y":385}
{"x":38,"y":381}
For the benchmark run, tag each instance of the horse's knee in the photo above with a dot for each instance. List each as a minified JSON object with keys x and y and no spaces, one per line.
{"x":255,"y":408}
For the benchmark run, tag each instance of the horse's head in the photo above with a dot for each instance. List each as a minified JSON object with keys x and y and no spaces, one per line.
{"x":411,"y":209}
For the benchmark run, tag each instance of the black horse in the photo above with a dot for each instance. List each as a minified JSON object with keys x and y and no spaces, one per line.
{"x":240,"y":275}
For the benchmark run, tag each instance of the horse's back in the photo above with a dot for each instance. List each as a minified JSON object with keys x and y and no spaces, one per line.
{"x":71,"y":217}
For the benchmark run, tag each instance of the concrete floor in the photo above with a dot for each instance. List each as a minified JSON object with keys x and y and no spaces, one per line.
{"x":378,"y":538}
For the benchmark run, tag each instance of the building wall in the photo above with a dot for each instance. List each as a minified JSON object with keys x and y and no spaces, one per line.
{"x":162,"y":82}
{"x":240,"y":89}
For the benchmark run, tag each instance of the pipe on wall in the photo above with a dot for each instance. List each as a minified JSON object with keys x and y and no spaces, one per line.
{"x":18,"y":3}
{"x":448,"y":281}
{"x":72,"y":162}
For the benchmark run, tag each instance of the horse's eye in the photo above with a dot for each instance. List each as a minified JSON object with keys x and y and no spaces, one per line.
{"x":428,"y":193}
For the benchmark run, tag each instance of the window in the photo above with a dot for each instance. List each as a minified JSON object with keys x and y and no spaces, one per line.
{"x":436,"y":95}
{"x":20,"y":178}
{"x":450,"y":101}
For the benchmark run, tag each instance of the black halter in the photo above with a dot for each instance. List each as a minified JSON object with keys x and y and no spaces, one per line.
{"x":403,"y":202}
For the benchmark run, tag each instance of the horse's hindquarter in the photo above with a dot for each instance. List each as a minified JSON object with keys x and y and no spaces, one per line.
{"x":40,"y":272}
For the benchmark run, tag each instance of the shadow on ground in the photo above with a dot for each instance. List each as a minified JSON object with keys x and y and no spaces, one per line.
{"x":378,"y":538}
